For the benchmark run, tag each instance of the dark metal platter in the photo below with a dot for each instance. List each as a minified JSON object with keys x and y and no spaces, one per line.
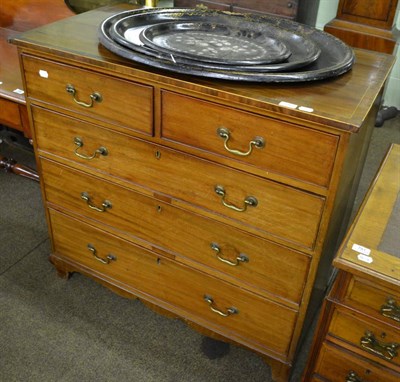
{"x":127,"y":30}
{"x":218,"y":43}
{"x":335,"y":59}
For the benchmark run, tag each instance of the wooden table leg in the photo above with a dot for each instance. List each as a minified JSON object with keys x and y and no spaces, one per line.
{"x":10,"y":165}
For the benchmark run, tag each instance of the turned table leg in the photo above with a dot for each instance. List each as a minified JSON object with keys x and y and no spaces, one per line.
{"x":10,"y":165}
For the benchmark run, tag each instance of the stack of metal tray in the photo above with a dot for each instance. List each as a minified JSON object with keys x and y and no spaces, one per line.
{"x":225,"y":45}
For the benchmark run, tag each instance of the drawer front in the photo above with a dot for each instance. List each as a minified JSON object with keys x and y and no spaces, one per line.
{"x":379,"y":341}
{"x":127,"y":105}
{"x":240,"y":257}
{"x":338,"y":365}
{"x":281,"y":211}
{"x":286,"y":149}
{"x":251,"y":319}
{"x":375,"y":300}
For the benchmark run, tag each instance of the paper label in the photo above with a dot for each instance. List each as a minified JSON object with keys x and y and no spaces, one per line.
{"x":288,"y":104}
{"x":43,"y":73}
{"x":361,"y":249}
{"x":18,"y":91}
{"x":307,"y":109}
{"x":364,"y":258}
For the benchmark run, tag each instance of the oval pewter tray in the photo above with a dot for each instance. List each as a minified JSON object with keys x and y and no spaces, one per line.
{"x":126,"y":31}
{"x":336,"y":57}
{"x":217,"y":43}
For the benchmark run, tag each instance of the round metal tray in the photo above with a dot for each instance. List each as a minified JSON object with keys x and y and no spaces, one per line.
{"x":217,"y":43}
{"x":335,"y":57}
{"x":127,"y":30}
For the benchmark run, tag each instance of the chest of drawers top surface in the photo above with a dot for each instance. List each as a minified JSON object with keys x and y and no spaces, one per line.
{"x":342,"y":103}
{"x":371,"y":248}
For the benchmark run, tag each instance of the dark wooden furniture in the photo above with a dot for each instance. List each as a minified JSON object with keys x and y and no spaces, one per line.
{"x":283,"y":8}
{"x":358,"y":338}
{"x":17,"y":16}
{"x":366,"y":24}
{"x":143,"y":196}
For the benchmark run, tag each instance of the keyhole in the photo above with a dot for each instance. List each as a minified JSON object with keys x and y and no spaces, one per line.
{"x":158,"y":154}
{"x":383,"y":335}
{"x":159,"y":208}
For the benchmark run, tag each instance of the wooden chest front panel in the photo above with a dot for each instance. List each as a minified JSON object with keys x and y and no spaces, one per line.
{"x":126,"y":105}
{"x":189,"y":236}
{"x":284,"y":212}
{"x":288,"y":150}
{"x":335,"y":364}
{"x":258,"y":321}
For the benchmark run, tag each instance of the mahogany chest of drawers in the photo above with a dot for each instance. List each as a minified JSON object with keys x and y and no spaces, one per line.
{"x":358,"y":339}
{"x":210,"y":200}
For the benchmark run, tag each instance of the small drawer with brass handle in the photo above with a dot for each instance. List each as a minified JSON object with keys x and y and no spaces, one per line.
{"x":249,"y":201}
{"x":379,"y":340}
{"x":380,"y":348}
{"x":265,"y":145}
{"x":94,"y":97}
{"x":336,"y":364}
{"x":104,"y":206}
{"x":79,"y":143}
{"x":228,"y":311}
{"x":110,"y":257}
{"x":241,"y":258}
{"x":225,"y":134}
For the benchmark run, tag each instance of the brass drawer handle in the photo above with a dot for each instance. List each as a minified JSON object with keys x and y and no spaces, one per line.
{"x":353,"y":377}
{"x":104,"y":206}
{"x":214,"y":308}
{"x":100,"y":151}
{"x":225,"y":134}
{"x":371,"y":344}
{"x":239,"y":259}
{"x":108,"y":258}
{"x":94,"y":97}
{"x":249,"y":201}
{"x":390,"y":309}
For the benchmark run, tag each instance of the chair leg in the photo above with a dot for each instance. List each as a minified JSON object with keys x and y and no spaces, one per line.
{"x":10,"y":165}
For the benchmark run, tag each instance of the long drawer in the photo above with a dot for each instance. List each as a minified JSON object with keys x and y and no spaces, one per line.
{"x":378,"y":341}
{"x":126,"y":105}
{"x":268,"y":144}
{"x":240,"y":257}
{"x":208,"y":301}
{"x":339,"y":365}
{"x":267,"y":207}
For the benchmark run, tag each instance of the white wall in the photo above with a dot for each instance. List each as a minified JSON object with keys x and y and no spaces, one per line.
{"x":327,"y":11}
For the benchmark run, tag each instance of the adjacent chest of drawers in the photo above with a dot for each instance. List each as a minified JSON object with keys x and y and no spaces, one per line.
{"x":358,"y":338}
{"x":210,"y":200}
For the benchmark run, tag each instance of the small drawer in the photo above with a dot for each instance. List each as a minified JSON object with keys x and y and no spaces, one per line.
{"x":258,"y":141}
{"x":368,"y":297}
{"x":126,"y":105}
{"x":219,"y":306}
{"x":249,"y":202}
{"x":336,"y":364}
{"x":378,"y":341}
{"x":238,"y":257}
